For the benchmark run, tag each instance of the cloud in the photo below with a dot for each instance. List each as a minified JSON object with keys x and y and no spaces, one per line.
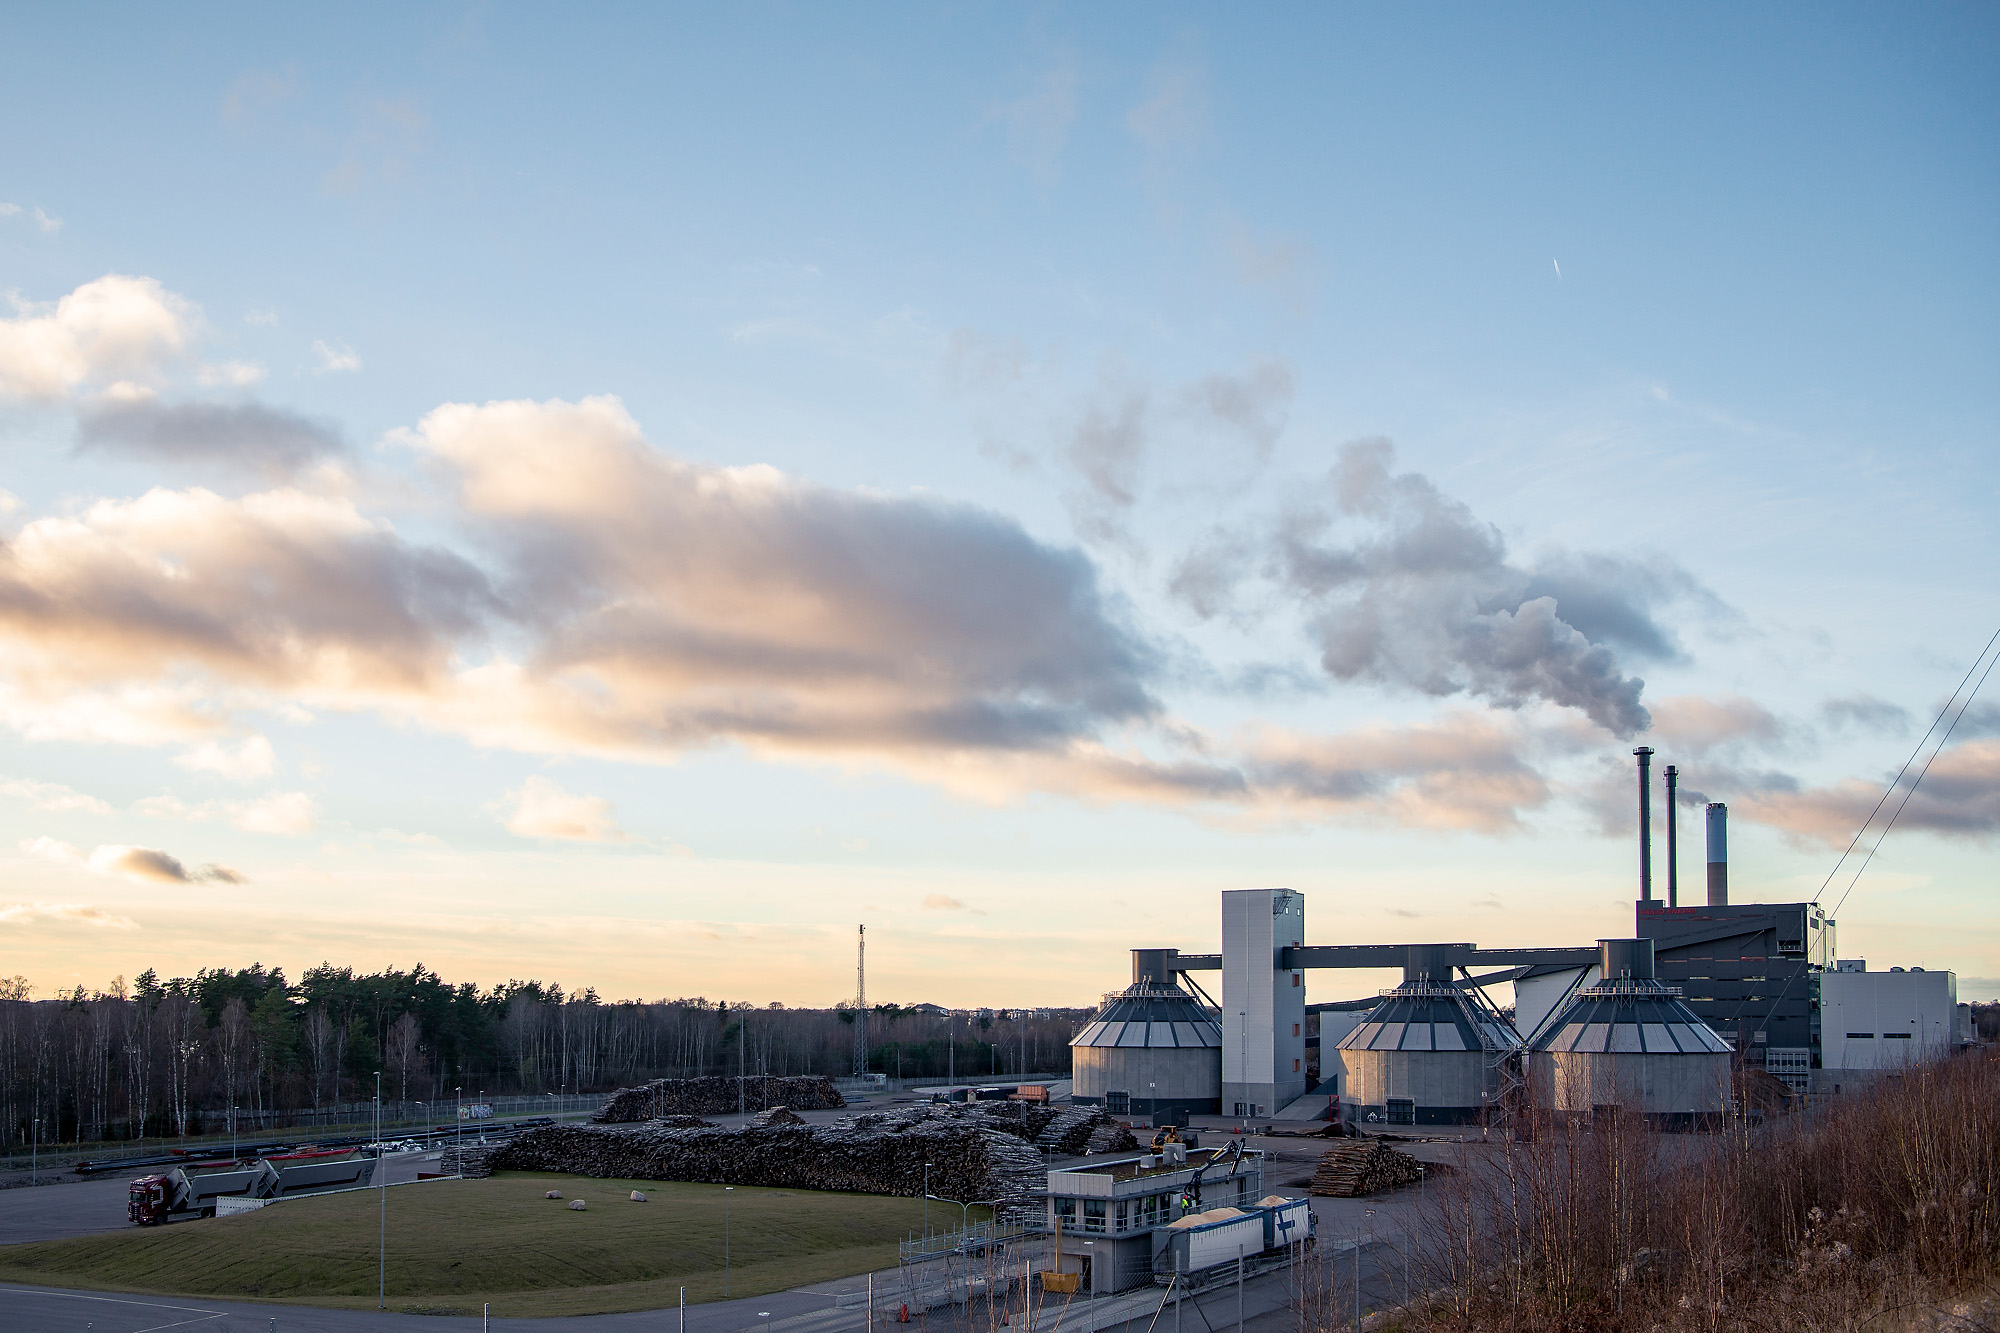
{"x":246,"y":761}
{"x":1252,"y":404}
{"x":255,"y":92}
{"x":230,"y":374}
{"x":52,"y":797}
{"x":1038,"y":123}
{"x":49,"y":225}
{"x":1407,"y":587}
{"x":285,"y":814}
{"x":1864,"y":712}
{"x":1959,"y":797}
{"x":150,"y":606}
{"x":1172,"y":120}
{"x":335,"y":359}
{"x":244,"y":436}
{"x":676,"y":604}
{"x":112,"y":330}
{"x":940,"y":902}
{"x":388,"y":135}
{"x":1696,"y":727}
{"x":23,"y":914}
{"x":541,"y":809}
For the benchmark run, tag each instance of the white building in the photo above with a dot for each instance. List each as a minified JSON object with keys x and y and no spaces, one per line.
{"x":1873,"y":1023}
{"x":1263,"y":1008}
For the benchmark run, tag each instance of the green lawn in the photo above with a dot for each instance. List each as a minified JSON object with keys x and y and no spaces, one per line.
{"x":454,"y":1244}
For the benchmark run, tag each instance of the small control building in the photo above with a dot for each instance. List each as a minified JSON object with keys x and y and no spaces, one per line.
{"x":1107,"y":1219}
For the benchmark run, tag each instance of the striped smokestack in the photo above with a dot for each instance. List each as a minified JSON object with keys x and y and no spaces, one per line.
{"x":1718,"y":854}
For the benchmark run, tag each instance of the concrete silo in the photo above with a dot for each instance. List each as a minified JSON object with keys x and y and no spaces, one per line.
{"x":1631,"y":1043}
{"x":1431,"y":1053}
{"x":1152,"y":1049}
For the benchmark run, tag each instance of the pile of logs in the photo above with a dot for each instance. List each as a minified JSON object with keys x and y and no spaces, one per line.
{"x":1366,"y":1166}
{"x":716,"y":1095}
{"x":1076,"y":1130}
{"x":886,"y":1153}
{"x":777,"y":1115}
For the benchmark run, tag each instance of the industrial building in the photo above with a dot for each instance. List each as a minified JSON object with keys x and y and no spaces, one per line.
{"x":1628,"y":1041}
{"x":1761,"y":978}
{"x":1152,"y":1049}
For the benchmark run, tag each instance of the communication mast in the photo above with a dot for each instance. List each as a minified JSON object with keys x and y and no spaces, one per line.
{"x":860,"y":1001}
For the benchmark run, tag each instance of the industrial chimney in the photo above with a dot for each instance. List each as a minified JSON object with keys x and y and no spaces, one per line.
{"x":1645,"y":755}
{"x":1673,"y":839}
{"x":1718,"y":854}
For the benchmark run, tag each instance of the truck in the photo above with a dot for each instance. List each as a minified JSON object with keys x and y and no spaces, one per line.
{"x":189,"y":1192}
{"x":1205,"y":1247}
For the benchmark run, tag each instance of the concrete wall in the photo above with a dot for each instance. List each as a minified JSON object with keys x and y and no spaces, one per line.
{"x":1921,"y":1006}
{"x":1663,"y":1085}
{"x":1188,"y":1079}
{"x":1447,"y":1086}
{"x":1263,"y":1009}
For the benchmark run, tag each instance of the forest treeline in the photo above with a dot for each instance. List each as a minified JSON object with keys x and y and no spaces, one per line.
{"x":164,"y":1058}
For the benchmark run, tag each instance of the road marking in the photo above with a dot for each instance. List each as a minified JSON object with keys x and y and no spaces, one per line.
{"x":113,"y":1300}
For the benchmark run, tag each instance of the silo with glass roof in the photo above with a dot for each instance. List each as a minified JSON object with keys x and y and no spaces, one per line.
{"x":1431,"y":1053}
{"x":1152,"y":1049}
{"x":1630,"y":1042}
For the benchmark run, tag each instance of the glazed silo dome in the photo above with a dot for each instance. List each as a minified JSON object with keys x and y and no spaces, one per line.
{"x":1151,"y":1047}
{"x":1633,"y":1043}
{"x":1429,"y":1054}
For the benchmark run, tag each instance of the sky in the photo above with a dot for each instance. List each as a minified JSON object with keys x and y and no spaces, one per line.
{"x":623,"y":495}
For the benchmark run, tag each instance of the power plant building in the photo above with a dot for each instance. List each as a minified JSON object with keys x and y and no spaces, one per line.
{"x":1152,"y":1049}
{"x":1429,"y":1054}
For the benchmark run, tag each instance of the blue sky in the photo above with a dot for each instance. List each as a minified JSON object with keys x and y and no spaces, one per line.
{"x":1003,"y":475}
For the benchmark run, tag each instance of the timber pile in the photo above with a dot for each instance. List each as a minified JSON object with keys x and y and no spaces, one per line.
{"x":869,"y":1154}
{"x":777,"y":1115}
{"x":715,"y":1095}
{"x":1076,"y":1130}
{"x":1367,"y":1166}
{"x":474,"y":1163}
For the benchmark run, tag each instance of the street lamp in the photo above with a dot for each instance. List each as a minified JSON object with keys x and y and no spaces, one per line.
{"x":382,"y":1183}
{"x":927,"y":1203}
{"x":727,"y":1190}
{"x":458,"y":1129}
{"x":232,"y":1133}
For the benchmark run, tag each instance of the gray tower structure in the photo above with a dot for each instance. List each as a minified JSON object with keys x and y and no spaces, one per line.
{"x":1263,"y":1001}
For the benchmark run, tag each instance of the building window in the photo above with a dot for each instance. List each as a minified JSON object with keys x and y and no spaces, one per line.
{"x":1118,"y":1103}
{"x":1402,"y":1111}
{"x":1298,"y":978}
{"x":1295,"y":1029}
{"x":1093,"y":1214}
{"x":1066,"y":1214}
{"x":1295,"y":1066}
{"x":1860,"y":1036}
{"x":1121,"y":1217}
{"x":1890,"y":1036}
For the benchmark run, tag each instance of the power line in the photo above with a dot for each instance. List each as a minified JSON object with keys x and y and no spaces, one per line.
{"x":1891,"y":791}
{"x":1956,"y":719}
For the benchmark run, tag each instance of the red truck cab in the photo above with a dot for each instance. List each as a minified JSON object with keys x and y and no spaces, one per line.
{"x":149,"y":1203}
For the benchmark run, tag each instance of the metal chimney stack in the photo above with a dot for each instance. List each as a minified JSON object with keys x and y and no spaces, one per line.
{"x":1718,"y":854}
{"x":1673,"y":839}
{"x":1645,"y":755}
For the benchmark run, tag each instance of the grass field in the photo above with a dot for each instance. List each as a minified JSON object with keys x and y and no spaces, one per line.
{"x":455,"y":1244}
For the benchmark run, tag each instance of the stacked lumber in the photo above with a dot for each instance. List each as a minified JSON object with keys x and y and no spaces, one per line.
{"x":886,"y":1153}
{"x":1365,"y":1166}
{"x":474,"y":1163}
{"x":716,"y":1095}
{"x":777,"y":1115}
{"x":1076,"y":1130}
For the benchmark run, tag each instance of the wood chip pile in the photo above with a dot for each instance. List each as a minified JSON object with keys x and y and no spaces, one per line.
{"x":716,"y":1095}
{"x":870,"y":1154}
{"x":1365,"y":1166}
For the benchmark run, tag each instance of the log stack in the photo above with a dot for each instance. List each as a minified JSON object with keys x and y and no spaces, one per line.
{"x":1365,"y":1166}
{"x":716,"y":1095}
{"x":872,"y":1154}
{"x":777,"y":1115}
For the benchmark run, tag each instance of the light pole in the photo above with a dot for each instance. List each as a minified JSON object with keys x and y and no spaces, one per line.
{"x":382,"y":1183}
{"x":727,"y":1190}
{"x":458,"y":1129}
{"x":232,"y":1133}
{"x":927,"y":1203}
{"x":1153,"y":1104}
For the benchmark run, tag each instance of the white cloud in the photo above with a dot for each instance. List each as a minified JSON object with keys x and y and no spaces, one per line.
{"x":23,"y":914}
{"x":48,"y":224}
{"x":51,"y":849}
{"x":111,"y":329}
{"x":151,"y":866}
{"x":230,"y":374}
{"x":245,"y":761}
{"x":333,"y":360}
{"x":541,"y":809}
{"x":288,"y":814}
{"x":52,"y":797}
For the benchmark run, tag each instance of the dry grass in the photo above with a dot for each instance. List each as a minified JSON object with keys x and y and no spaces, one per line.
{"x":454,"y":1245}
{"x":1879,"y":1210}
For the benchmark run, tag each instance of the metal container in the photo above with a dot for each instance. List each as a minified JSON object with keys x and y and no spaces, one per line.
{"x":1630,"y":1043}
{"x":1152,"y":1048}
{"x":1429,"y":1054}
